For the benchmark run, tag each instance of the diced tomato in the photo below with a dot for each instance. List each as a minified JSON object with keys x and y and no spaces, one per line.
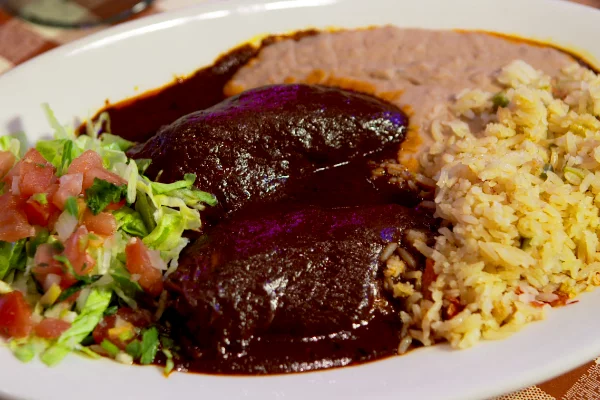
{"x":101,"y":330}
{"x":45,"y":264}
{"x":429,"y":276}
{"x":37,"y":214}
{"x":13,"y":221}
{"x":138,"y":262}
{"x":90,"y":165}
{"x":7,"y":160}
{"x":70,"y":185}
{"x":51,"y":328}
{"x":36,"y":174}
{"x":42,"y":214}
{"x":103,"y":224}
{"x":85,"y":162}
{"x":15,"y":315}
{"x":76,"y":251}
{"x":13,"y":173}
{"x":103,"y":174}
{"x":115,"y":206}
{"x":138,"y":318}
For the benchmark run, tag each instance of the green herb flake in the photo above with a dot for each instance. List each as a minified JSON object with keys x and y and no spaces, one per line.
{"x":110,"y":348}
{"x":500,"y":100}
{"x":134,"y":349}
{"x":83,"y":279}
{"x":41,"y":198}
{"x":67,"y":157}
{"x":112,"y":310}
{"x":149,"y":345}
{"x":41,"y":237}
{"x":169,"y":365}
{"x":525,"y":243}
{"x":102,"y":193}
{"x":547,"y":168}
{"x":71,"y":206}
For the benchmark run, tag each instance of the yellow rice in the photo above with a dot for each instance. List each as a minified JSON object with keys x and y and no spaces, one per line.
{"x":519,"y":190}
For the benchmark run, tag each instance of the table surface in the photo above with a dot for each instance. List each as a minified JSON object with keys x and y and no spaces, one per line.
{"x":20,"y":41}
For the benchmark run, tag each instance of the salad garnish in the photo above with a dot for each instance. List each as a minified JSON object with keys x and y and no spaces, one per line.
{"x":84,"y":236}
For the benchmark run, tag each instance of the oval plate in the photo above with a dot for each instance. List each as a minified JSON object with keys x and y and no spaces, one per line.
{"x":76,"y":79}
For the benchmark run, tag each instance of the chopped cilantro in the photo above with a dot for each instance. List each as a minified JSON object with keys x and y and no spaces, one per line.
{"x":102,"y":193}
{"x":134,"y":349}
{"x":41,"y":237}
{"x":149,"y":345}
{"x":83,"y":279}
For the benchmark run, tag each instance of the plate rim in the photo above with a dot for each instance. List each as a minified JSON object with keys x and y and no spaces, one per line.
{"x":187,"y":15}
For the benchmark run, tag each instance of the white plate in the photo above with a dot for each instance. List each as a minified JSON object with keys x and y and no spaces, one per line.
{"x":77,"y":78}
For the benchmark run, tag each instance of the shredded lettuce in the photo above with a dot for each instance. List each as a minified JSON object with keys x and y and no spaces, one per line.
{"x":115,"y":142}
{"x":122,"y":280}
{"x":60,"y":132}
{"x":158,"y":213}
{"x":95,"y":305}
{"x":15,"y":143}
{"x":52,"y":150}
{"x":23,"y":352}
{"x":131,"y":222}
{"x":12,"y":256}
{"x":167,"y":233}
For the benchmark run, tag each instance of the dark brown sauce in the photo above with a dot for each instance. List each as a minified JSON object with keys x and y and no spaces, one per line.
{"x":140,"y":117}
{"x":287,"y":277}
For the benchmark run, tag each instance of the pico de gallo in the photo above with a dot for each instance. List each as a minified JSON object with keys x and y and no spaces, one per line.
{"x":84,"y":235}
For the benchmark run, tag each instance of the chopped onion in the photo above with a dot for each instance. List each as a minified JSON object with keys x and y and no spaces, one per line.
{"x":135,"y":277}
{"x":83,"y":295}
{"x":50,"y":280}
{"x":124,"y":358}
{"x":132,"y":178}
{"x":65,"y":225}
{"x":5,"y":288}
{"x":162,"y":305}
{"x":120,"y":322}
{"x":15,"y":186}
{"x":156,"y":261}
{"x":73,"y":181}
{"x":68,"y":316}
